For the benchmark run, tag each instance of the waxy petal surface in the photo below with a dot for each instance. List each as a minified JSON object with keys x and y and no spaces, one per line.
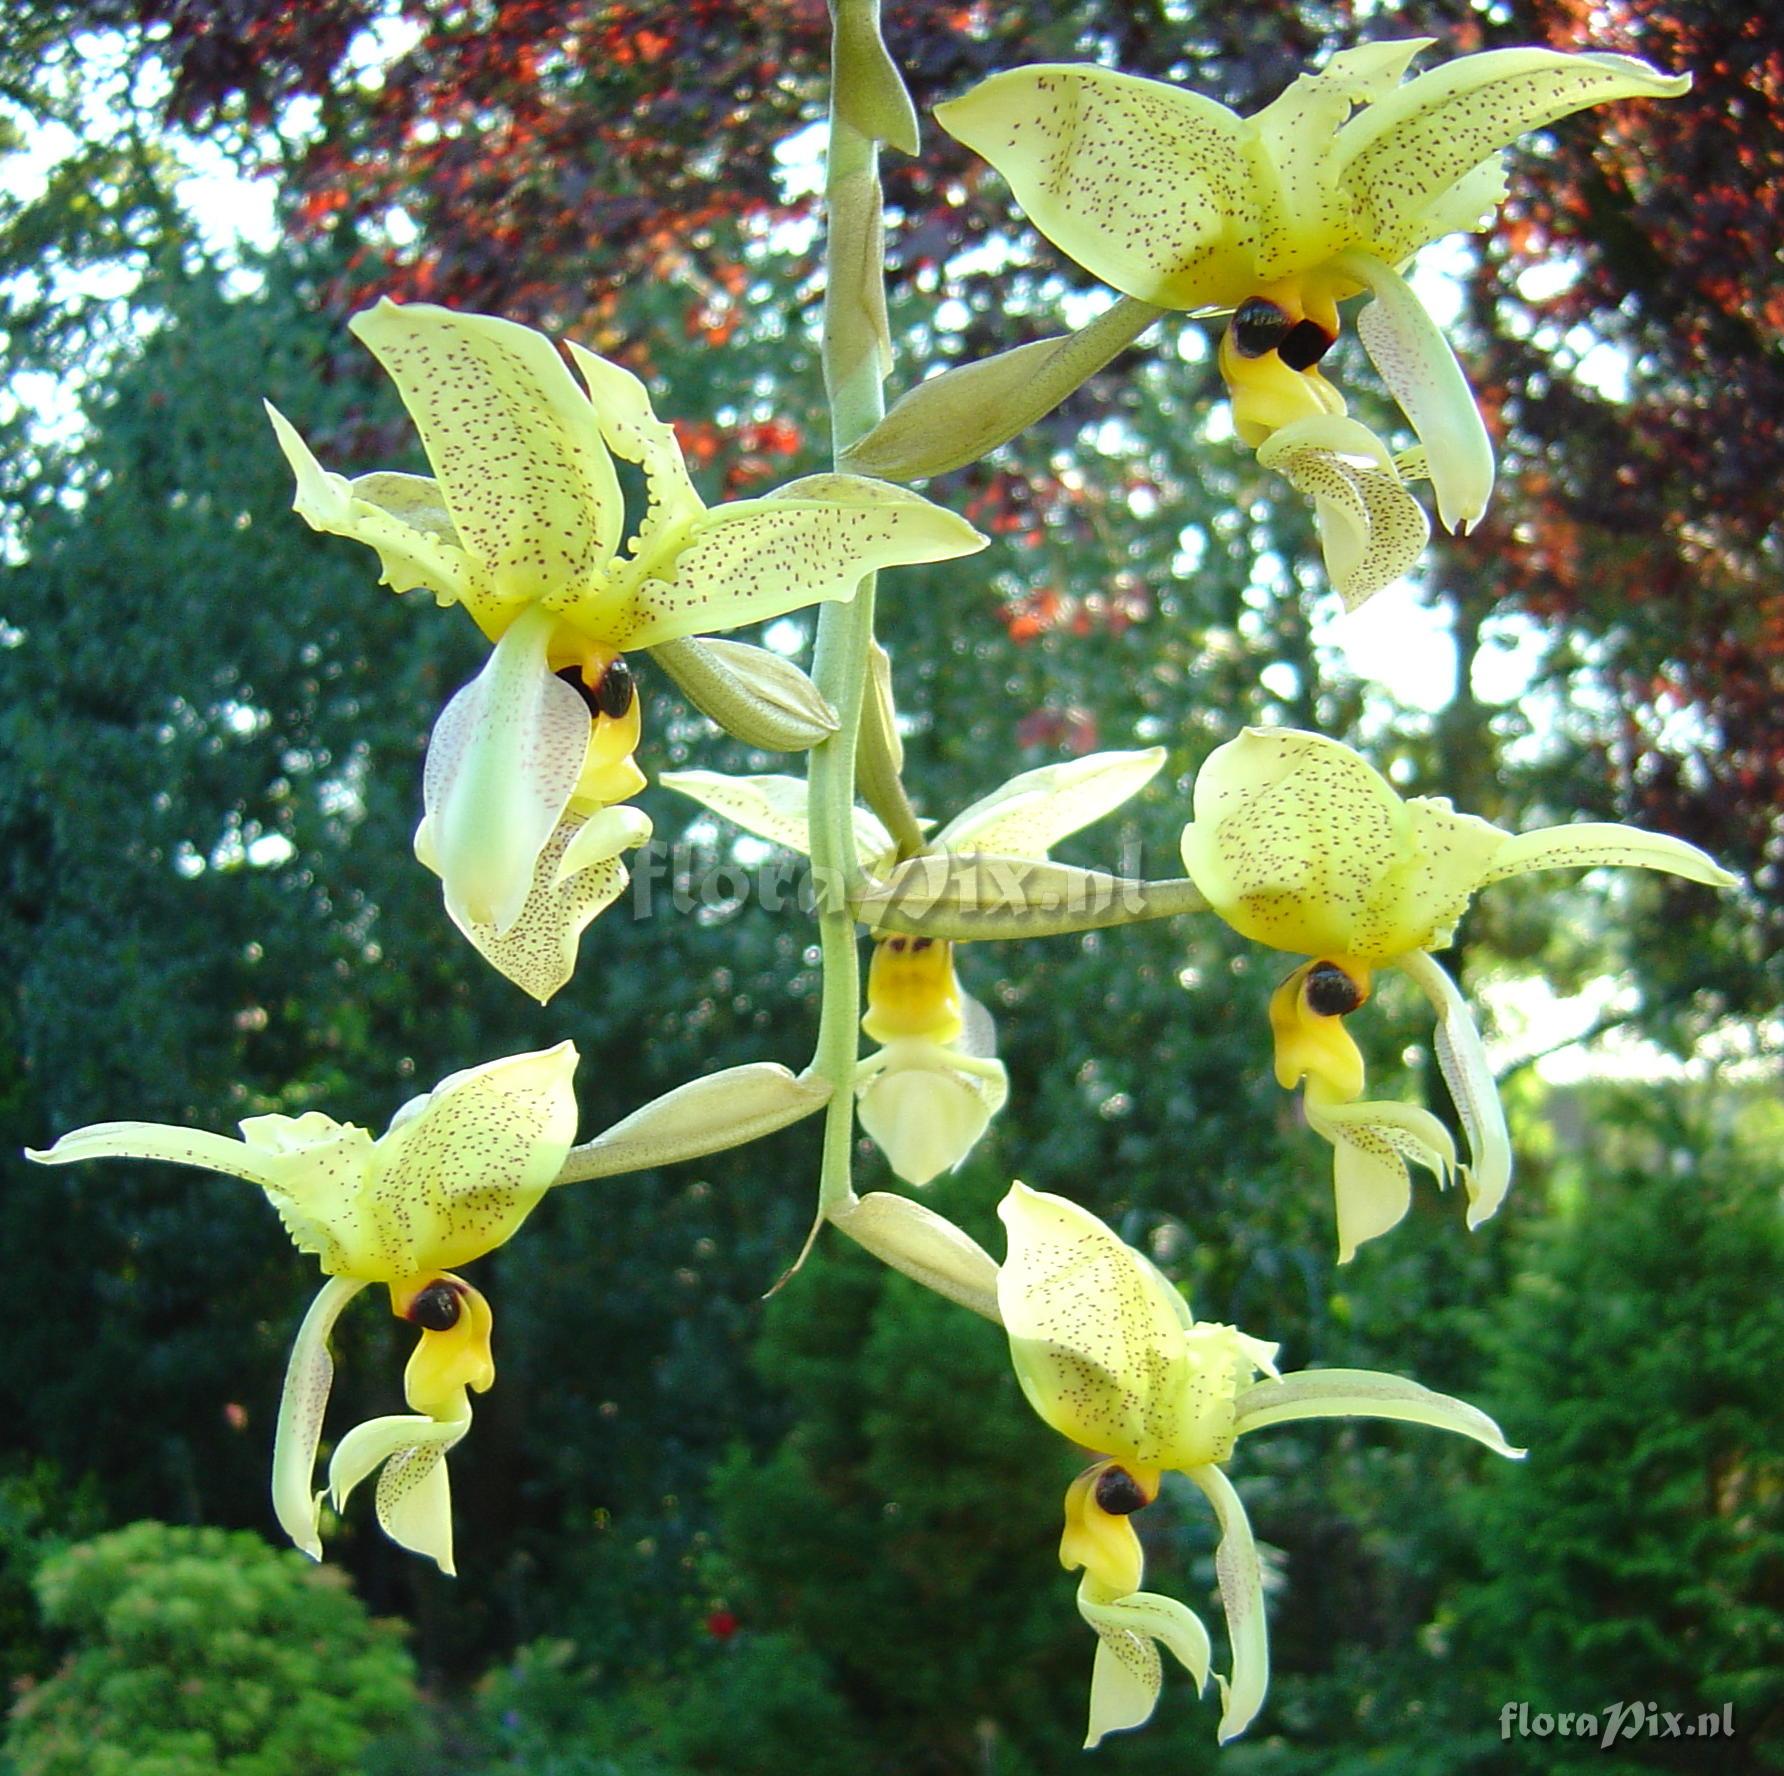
{"x":513,"y":442}
{"x":1034,"y":810}
{"x":750,"y":560}
{"x":1143,"y":184}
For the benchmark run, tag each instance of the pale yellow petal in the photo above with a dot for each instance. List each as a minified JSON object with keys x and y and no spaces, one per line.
{"x":1403,"y":154}
{"x":457,"y":1175}
{"x":1292,"y":832}
{"x":1371,"y":1143}
{"x":1126,"y":1677}
{"x":1415,"y":360}
{"x":402,"y":517}
{"x":1097,"y":1345}
{"x":1306,"y":213}
{"x":632,"y":431}
{"x":1448,"y":857}
{"x":502,"y":764}
{"x":566,"y":894}
{"x":308,"y":1377}
{"x":1364,"y":1393}
{"x":513,"y":442}
{"x":1462,"y":1058}
{"x":1371,"y":530}
{"x":1597,"y":844}
{"x":1034,"y":810}
{"x":745,"y":562}
{"x":774,"y":807}
{"x":1145,"y":185}
{"x":926,"y":1107}
{"x":1242,"y":1596}
{"x":413,"y":1498}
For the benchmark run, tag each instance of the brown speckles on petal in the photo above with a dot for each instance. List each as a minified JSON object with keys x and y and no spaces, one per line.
{"x":538,"y":952}
{"x":755,"y":559}
{"x":1403,"y":154}
{"x":512,"y":441}
{"x":1144,"y":184}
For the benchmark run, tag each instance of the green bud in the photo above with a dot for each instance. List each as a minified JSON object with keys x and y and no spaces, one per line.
{"x":756,"y":695}
{"x":956,"y":418}
{"x":725,"y":1109}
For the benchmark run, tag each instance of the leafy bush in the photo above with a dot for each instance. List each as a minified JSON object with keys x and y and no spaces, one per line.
{"x":202,"y":1652}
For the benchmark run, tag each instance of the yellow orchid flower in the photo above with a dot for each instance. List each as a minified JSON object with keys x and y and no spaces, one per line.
{"x":530,"y":764}
{"x":929,"y":1092}
{"x":1277,"y":218}
{"x":1298,"y":843}
{"x":453,"y":1177}
{"x":1106,"y":1352}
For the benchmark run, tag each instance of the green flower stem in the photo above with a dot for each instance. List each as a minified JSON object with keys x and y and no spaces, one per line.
{"x":856,"y":347}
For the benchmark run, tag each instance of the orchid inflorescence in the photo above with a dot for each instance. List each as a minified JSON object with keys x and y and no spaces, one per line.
{"x":1266,"y":223}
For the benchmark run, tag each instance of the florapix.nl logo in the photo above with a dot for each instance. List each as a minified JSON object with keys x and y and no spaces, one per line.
{"x":1615,"y":1722}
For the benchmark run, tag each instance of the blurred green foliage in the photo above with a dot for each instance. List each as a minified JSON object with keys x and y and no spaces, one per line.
{"x":201,"y":1652}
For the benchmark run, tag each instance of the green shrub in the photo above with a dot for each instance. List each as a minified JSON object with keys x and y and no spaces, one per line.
{"x":202,"y":1652}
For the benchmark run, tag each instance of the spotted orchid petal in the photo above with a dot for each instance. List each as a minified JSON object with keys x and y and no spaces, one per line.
{"x":1462,"y":1059}
{"x":1402,"y":156}
{"x":315,"y":1171}
{"x":1371,"y":1145}
{"x":1305,"y":210}
{"x":578,"y":875}
{"x":414,"y":1497}
{"x":1034,"y":810}
{"x":1299,"y":843}
{"x":631,"y":430}
{"x":1097,"y":1344}
{"x":501,"y":767}
{"x":1417,"y":363}
{"x":178,"y":1146}
{"x":309,"y":1375}
{"x":749,"y":560}
{"x":1241,"y":1581}
{"x":1127,"y":1675}
{"x":1148,"y":187}
{"x":459,"y":1170}
{"x":513,"y":442}
{"x":776,"y":808}
{"x":1364,"y":1393}
{"x":403,"y":517}
{"x":1596,"y":844}
{"x":1371,"y":530}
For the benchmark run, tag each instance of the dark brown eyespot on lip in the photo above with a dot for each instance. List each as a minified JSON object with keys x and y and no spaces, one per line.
{"x":1305,"y":344}
{"x":572,"y":676}
{"x":1258,"y":326}
{"x":436,"y":1308}
{"x":1119,"y":1493}
{"x":613,"y":695}
{"x":1330,"y":991}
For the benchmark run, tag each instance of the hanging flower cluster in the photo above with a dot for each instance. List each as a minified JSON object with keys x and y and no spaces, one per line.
{"x":527,"y":793}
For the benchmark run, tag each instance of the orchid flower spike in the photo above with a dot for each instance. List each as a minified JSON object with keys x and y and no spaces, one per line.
{"x":1277,"y":218}
{"x":530,"y":765}
{"x":453,"y":1177}
{"x":929,"y":1092}
{"x":1298,"y":843}
{"x":1106,"y":1352}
